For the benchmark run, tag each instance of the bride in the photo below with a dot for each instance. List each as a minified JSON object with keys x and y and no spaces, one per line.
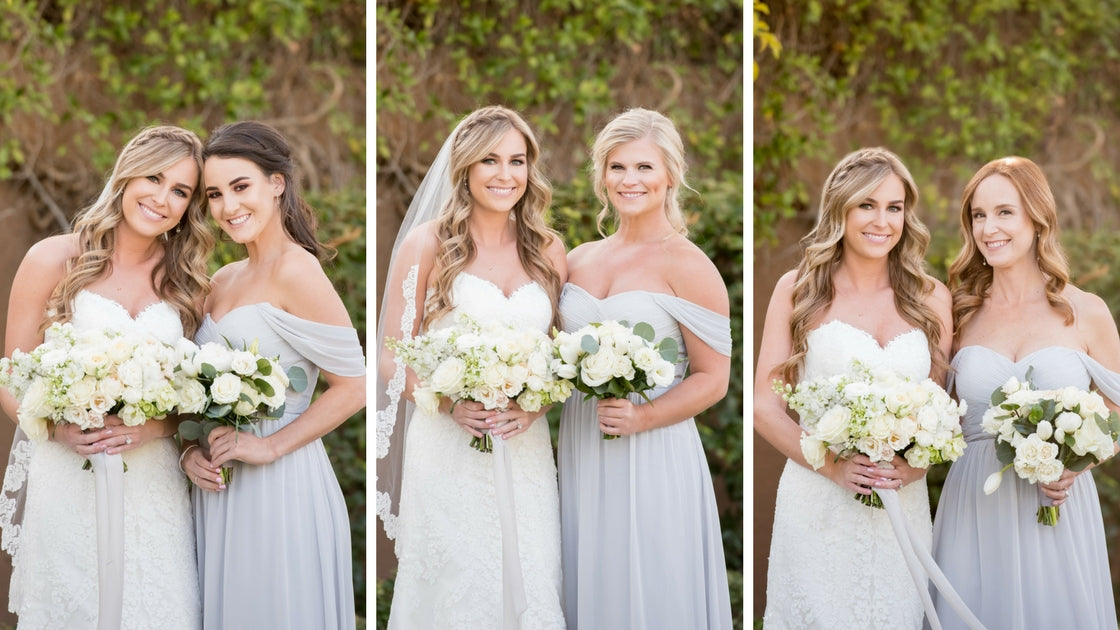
{"x":860,"y":291}
{"x":477,"y":534}
{"x":136,"y":261}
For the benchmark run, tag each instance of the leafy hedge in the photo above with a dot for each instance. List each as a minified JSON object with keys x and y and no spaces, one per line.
{"x":78,"y":79}
{"x":569,"y":66}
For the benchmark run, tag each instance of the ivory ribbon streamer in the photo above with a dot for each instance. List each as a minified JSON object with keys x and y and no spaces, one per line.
{"x":922,"y":566}
{"x":514,"y":602}
{"x":108,"y":475}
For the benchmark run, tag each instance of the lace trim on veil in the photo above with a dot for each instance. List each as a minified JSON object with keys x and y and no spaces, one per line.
{"x":387,"y":417}
{"x":14,"y":493}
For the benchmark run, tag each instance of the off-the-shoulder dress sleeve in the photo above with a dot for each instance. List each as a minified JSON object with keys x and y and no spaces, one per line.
{"x":711,"y":327}
{"x":334,"y":349}
{"x":1105,"y":379}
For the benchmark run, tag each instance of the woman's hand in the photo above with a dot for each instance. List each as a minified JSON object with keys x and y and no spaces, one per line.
{"x":228,"y":444}
{"x":124,"y":438}
{"x":619,"y":416}
{"x":470,"y":415}
{"x":200,"y":470}
{"x":860,"y":474}
{"x":511,"y":422}
{"x":1059,"y":490}
{"x":86,"y":443}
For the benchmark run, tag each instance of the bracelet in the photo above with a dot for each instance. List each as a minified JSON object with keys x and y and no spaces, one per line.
{"x":184,"y":454}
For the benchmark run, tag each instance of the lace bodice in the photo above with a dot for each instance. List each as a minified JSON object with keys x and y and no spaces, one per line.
{"x":528,"y":305}
{"x":93,"y":311}
{"x":833,"y":346}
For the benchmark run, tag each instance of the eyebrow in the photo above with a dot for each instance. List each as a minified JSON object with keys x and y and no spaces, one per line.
{"x":896,"y":202}
{"x":515,"y":155}
{"x":231,"y":182}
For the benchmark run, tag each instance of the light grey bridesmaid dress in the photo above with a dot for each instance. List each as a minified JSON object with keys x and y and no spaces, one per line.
{"x":274,"y":546}
{"x":1013,"y":572}
{"x":640,"y":532}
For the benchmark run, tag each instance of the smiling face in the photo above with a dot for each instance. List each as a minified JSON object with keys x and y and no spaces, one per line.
{"x":154,"y":204}
{"x":636,"y":178}
{"x":242,"y":199}
{"x":874,"y":226}
{"x":1003,"y":231}
{"x":497,"y":181}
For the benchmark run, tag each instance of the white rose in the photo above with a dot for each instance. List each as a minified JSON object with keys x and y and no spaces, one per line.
{"x":119,"y":350}
{"x":448,"y":376}
{"x":243,"y":363}
{"x":247,"y":402}
{"x":95,"y":361}
{"x":530,"y":401}
{"x":834,"y":425}
{"x":426,"y":400}
{"x":596,"y":369}
{"x":568,"y":346}
{"x":1011,"y":386}
{"x":192,"y":397}
{"x":132,"y":416}
{"x":36,"y":401}
{"x":1068,"y":422}
{"x":81,"y":392}
{"x":111,"y":388}
{"x":100,"y":404}
{"x":918,"y":458}
{"x":1049,"y":470}
{"x":165,"y":398}
{"x":814,"y":451}
{"x":214,"y":354}
{"x":663,"y":374}
{"x":880,"y":427}
{"x":79,"y":416}
{"x":495,"y":375}
{"x":35,"y":428}
{"x":623,"y":368}
{"x":131,"y":373}
{"x":226,"y":389}
{"x":132,"y":395}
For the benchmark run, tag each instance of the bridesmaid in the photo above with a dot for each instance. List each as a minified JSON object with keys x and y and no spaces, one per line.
{"x":639,"y":527}
{"x":274,"y":545}
{"x":1014,"y":308}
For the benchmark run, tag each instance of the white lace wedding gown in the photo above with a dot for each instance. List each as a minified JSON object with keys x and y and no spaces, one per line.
{"x":449,"y":539}
{"x":54,"y":551}
{"x":834,"y":562}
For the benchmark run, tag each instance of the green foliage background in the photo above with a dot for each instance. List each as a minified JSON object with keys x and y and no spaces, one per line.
{"x":948,"y":88}
{"x":78,"y":79}
{"x":569,"y":66}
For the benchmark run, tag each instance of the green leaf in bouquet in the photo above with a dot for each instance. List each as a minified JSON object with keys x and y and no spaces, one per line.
{"x":644,"y":330}
{"x":263,"y":387}
{"x":1113,"y":424}
{"x":668,"y":349}
{"x":207,"y":370}
{"x":297,"y":378}
{"x":277,"y":412}
{"x":1049,"y":409}
{"x":1069,"y":440}
{"x":218,"y":411}
{"x":1005,"y":453}
{"x":998,"y":397}
{"x":1079,"y":463}
{"x":1035,"y":416}
{"x":264,"y":366}
{"x":190,"y":430}
{"x":588,"y":344}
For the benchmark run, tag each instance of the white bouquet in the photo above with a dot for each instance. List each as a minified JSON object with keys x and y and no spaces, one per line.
{"x":1041,"y":432}
{"x":877,"y":412}
{"x":611,"y":360}
{"x":80,"y":376}
{"x":491,"y":363}
{"x":230,"y":387}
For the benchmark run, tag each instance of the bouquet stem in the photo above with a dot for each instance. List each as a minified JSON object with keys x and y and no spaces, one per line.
{"x":873,"y":499}
{"x":1048,"y":513}
{"x":607,"y":436}
{"x":484,"y":444}
{"x":227,"y":474}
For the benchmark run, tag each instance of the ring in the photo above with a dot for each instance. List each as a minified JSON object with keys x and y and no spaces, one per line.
{"x":519,"y":425}
{"x":128,"y":439}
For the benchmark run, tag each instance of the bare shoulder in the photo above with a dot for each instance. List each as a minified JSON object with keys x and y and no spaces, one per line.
{"x":557,"y":254}
{"x":694,"y":277}
{"x":421,"y":243}
{"x":305,"y":289}
{"x":1090,"y":309}
{"x":941,"y":299}
{"x":53,"y":251}
{"x":584,"y":254}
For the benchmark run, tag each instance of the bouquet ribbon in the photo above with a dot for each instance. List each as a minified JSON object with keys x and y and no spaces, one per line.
{"x":514,"y":601}
{"x":108,"y":475}
{"x":922,"y":566}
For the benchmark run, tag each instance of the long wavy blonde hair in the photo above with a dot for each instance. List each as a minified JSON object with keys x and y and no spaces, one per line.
{"x":476,"y":137}
{"x":970,"y":277}
{"x":180,"y":276}
{"x":852,"y":181}
{"x":629,"y":126}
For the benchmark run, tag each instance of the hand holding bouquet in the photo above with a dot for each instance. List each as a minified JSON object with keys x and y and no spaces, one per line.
{"x":611,"y":360}
{"x":1041,"y":432}
{"x":236,"y":388}
{"x":79,"y":376}
{"x":492,"y":363}
{"x":877,"y":412}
